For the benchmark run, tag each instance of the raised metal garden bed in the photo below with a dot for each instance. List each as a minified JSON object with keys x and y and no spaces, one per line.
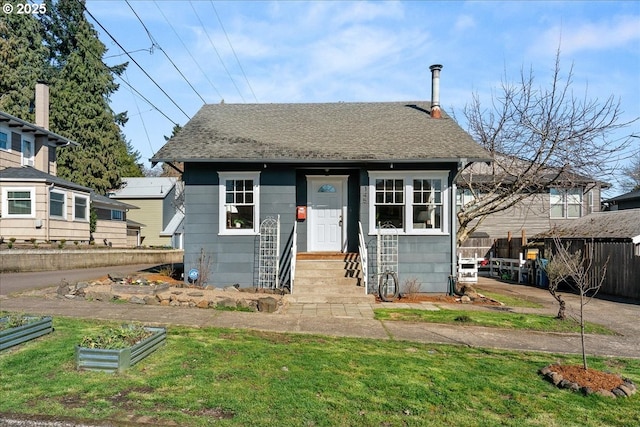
{"x":95,"y":359}
{"x":14,"y":336}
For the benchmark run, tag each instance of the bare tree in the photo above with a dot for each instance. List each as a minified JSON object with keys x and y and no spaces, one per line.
{"x":538,"y":138}
{"x":577,"y":270}
{"x":632,"y":174}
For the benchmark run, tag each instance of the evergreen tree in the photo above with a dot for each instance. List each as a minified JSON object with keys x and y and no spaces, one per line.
{"x":23,"y":57}
{"x":81,"y":84}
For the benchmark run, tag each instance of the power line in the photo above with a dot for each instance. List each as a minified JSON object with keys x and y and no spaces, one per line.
{"x":131,"y":87}
{"x":154,"y":43}
{"x":234,"y":52}
{"x":144,"y":127}
{"x":188,"y":51}
{"x":135,"y":62}
{"x":216,"y":50}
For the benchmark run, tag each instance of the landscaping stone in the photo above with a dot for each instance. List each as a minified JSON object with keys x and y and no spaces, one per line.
{"x":150,"y":300}
{"x":227,"y":303}
{"x":137,"y":300}
{"x":267,"y":305}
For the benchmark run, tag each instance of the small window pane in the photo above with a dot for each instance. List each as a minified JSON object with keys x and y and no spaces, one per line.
{"x":80,"y":208}
{"x":56,"y":207}
{"x":557,"y":211}
{"x":3,"y":140}
{"x":327,"y":188}
{"x":390,"y":214}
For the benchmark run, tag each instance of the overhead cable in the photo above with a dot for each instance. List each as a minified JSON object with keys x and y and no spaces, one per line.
{"x":154,"y":43}
{"x":216,"y":50}
{"x":188,"y":51}
{"x":234,"y":52}
{"x":135,"y":62}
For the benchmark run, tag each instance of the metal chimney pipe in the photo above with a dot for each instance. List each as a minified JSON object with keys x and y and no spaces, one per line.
{"x":435,"y":91}
{"x":42,"y":105}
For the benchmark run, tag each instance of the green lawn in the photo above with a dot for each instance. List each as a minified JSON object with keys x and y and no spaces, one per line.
{"x":510,"y":301}
{"x":532,"y":322}
{"x":269,"y":379}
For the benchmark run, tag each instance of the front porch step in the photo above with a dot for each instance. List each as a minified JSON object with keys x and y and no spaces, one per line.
{"x":332,"y":278}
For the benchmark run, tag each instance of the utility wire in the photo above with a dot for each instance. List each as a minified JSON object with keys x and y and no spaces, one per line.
{"x":141,"y":118}
{"x":216,"y":50}
{"x":155,"y":44}
{"x":234,"y":52}
{"x":132,"y":88}
{"x":188,"y":51}
{"x":135,"y":62}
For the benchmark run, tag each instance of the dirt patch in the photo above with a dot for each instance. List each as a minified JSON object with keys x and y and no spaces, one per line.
{"x":588,"y":380}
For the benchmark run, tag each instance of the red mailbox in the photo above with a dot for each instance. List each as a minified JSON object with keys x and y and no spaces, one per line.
{"x":301,"y":213}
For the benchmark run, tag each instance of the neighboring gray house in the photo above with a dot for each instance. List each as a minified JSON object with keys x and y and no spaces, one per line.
{"x":630,"y":200}
{"x":613,"y":238}
{"x":329,"y":167}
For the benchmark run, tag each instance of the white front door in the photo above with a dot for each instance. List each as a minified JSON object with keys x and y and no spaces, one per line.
{"x":327,"y":213}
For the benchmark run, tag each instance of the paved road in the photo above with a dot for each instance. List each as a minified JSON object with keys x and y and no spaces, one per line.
{"x":20,"y":282}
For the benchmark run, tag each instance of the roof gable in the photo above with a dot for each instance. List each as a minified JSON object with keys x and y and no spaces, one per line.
{"x":331,"y":131}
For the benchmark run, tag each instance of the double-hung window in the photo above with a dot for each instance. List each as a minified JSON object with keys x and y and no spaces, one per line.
{"x":239,"y":201}
{"x":27,"y":152}
{"x":80,"y":208}
{"x":565,"y":203}
{"x":117,"y":215}
{"x":4,"y":140}
{"x":57,"y":204}
{"x":18,"y":202}
{"x":413,"y":202}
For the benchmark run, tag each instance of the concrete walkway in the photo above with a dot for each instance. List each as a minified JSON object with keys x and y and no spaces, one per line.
{"x":356,"y":320}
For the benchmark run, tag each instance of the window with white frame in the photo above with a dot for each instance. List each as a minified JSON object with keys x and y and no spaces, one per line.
{"x":239,"y":202}
{"x":414,"y":202}
{"x":81,"y":208}
{"x":4,"y":140}
{"x":27,"y":152}
{"x":57,"y":204}
{"x":18,"y":202}
{"x":565,"y":203}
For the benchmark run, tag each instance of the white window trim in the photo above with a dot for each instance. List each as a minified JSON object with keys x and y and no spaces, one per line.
{"x":27,"y":161}
{"x":64,"y":204}
{"x":222,"y":212}
{"x":408,"y":177}
{"x":87,"y":206}
{"x":5,"y":202}
{"x":564,"y":195}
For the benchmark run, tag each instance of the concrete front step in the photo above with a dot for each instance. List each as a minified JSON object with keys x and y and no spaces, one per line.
{"x":328,"y":278}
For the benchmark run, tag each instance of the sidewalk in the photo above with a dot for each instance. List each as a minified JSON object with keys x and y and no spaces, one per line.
{"x":356,"y":320}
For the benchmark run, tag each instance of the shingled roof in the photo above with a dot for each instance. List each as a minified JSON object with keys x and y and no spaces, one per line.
{"x":382,"y":131}
{"x":622,"y":224}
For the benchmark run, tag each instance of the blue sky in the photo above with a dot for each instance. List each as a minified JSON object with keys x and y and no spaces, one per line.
{"x":330,"y":51}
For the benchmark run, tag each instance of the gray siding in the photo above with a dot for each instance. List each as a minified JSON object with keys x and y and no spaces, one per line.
{"x":427,"y":259}
{"x":233,"y":259}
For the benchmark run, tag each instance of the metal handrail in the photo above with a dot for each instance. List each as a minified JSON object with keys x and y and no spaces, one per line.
{"x":294,"y":255}
{"x":362,"y":249}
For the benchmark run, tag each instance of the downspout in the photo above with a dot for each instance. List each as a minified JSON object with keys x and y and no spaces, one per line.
{"x":462,"y":165}
{"x":47,"y":232}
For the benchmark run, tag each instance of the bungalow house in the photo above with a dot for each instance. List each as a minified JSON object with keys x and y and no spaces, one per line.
{"x":35,"y":204}
{"x":630,"y":200}
{"x":611,"y":238}
{"x":158,"y":206}
{"x":332,"y":173}
{"x":113,"y":228}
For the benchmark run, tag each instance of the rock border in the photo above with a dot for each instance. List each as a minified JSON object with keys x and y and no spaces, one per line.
{"x":163,"y":294}
{"x":626,"y":389}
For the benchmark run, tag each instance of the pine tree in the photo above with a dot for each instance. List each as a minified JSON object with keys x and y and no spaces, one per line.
{"x":23,"y":57}
{"x":81,"y":84}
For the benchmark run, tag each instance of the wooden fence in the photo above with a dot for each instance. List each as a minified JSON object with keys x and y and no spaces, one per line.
{"x":623,"y":266}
